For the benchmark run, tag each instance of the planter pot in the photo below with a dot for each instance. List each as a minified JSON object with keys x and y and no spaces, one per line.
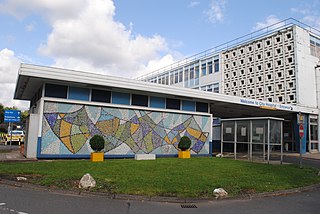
{"x":184,"y":154}
{"x":97,"y":157}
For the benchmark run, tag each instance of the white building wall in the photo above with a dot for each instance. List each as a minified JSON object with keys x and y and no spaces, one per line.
{"x":305,"y":69}
{"x":32,"y":138}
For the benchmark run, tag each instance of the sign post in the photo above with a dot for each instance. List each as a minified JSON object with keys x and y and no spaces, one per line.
{"x":11,"y":116}
{"x":300,"y":120}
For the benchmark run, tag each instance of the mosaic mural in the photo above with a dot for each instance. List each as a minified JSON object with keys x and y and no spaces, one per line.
{"x":67,"y":129}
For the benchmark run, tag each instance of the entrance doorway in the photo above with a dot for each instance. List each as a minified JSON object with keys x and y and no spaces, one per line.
{"x":313,"y":134}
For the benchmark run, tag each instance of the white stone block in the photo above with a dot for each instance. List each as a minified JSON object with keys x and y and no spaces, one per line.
{"x":145,"y":157}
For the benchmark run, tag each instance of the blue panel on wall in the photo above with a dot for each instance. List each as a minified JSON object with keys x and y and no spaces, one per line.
{"x":157,"y":102}
{"x":76,"y":93}
{"x":188,"y":105}
{"x":120,"y":98}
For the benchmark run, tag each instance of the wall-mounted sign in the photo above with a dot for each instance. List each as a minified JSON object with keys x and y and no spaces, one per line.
{"x":266,"y":105}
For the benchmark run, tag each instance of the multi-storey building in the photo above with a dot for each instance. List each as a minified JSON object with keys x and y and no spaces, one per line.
{"x":266,"y":74}
{"x":277,"y":64}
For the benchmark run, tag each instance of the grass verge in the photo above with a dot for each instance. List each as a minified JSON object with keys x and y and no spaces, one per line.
{"x":195,"y":177}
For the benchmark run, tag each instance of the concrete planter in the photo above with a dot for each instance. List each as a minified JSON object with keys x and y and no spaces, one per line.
{"x":184,"y":154}
{"x":97,"y":157}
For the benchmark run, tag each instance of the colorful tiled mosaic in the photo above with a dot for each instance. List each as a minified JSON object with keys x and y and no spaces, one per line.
{"x":67,"y":129}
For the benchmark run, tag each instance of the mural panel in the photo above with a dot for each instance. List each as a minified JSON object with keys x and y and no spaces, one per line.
{"x":67,"y":129}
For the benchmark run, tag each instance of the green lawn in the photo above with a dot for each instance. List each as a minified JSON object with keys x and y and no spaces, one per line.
{"x":195,"y":177}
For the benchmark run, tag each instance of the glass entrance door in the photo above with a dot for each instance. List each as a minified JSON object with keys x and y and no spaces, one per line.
{"x":313,"y":134}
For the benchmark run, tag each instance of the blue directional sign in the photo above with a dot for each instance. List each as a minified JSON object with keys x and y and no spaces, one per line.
{"x":12,"y":116}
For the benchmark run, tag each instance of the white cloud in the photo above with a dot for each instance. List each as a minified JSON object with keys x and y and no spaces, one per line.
{"x":85,"y":35}
{"x":270,"y":20}
{"x":216,"y":11}
{"x":193,"y":4}
{"x":29,"y":27}
{"x":9,"y":65}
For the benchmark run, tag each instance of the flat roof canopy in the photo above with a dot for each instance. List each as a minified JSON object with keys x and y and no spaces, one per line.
{"x":32,"y":77}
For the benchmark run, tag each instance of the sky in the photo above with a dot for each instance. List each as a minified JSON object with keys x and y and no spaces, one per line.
{"x":127,"y":38}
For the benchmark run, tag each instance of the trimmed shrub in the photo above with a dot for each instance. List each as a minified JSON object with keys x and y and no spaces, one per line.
{"x":184,"y":143}
{"x":97,"y":143}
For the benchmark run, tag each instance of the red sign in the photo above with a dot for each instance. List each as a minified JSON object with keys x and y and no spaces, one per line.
{"x":301,"y":131}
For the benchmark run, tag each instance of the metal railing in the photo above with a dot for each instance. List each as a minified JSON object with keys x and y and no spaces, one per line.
{"x":263,"y":32}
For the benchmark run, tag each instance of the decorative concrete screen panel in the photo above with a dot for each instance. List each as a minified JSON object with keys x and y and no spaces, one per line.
{"x":67,"y":129}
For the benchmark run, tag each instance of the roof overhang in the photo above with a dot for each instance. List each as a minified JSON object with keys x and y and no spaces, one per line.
{"x":32,"y":77}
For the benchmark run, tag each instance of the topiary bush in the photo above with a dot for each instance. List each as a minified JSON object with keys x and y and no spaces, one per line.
{"x":97,"y":143}
{"x":184,"y":143}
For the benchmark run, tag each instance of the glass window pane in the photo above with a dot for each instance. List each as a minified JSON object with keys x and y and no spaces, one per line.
{"x":100,"y":96}
{"x":57,"y":91}
{"x":139,"y":100}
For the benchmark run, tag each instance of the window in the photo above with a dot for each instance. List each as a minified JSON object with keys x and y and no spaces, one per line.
{"x":180,"y":76}
{"x":57,"y":91}
{"x":269,"y":65}
{"x":290,"y":60}
{"x":176,"y":77}
{"x":173,"y":104}
{"x":278,"y":39}
{"x":139,"y":100}
{"x":280,"y":99}
{"x":120,"y":98}
{"x":210,"y":67}
{"x":216,"y":87}
{"x":279,"y":62}
{"x":188,"y":105}
{"x":157,"y":102}
{"x":278,"y":50}
{"x":280,"y":86}
{"x":291,"y":97}
{"x":269,"y":76}
{"x":204,"y":69}
{"x":216,"y":65}
{"x":202,"y":107}
{"x":279,"y":74}
{"x":171,"y":78}
{"x":288,"y":36}
{"x":269,"y":88}
{"x":290,"y":72}
{"x":268,"y":42}
{"x":77,"y":93}
{"x":289,"y":47}
{"x":100,"y":96}
{"x":268,"y":53}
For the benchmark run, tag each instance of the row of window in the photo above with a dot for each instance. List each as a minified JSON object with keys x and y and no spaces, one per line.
{"x":315,"y":46}
{"x":211,"y":88}
{"x":189,"y":72}
{"x":85,"y":94}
